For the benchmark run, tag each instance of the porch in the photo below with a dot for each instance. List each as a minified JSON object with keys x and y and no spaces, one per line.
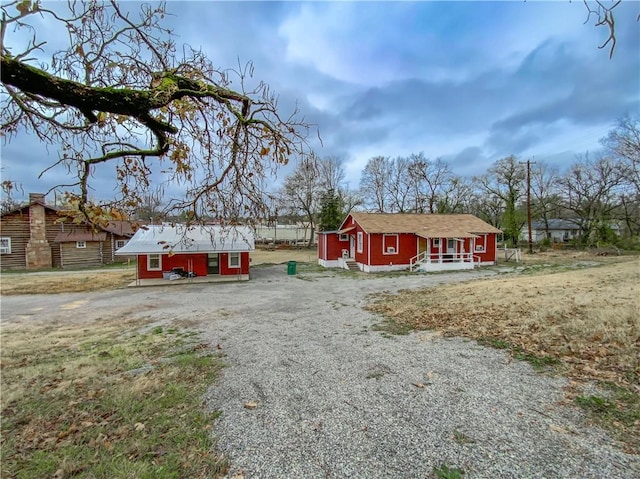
{"x":429,"y":262}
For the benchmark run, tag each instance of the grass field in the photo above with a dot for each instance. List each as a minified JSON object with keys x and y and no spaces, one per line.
{"x":102,"y":402}
{"x":581,"y":321}
{"x":569,"y":312}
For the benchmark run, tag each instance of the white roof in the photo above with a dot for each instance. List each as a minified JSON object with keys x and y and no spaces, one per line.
{"x":154,"y":239}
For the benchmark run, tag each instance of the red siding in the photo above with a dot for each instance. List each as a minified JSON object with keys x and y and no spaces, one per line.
{"x":199,"y":264}
{"x":489,"y":254}
{"x":407,"y":248}
{"x":223,"y":261}
{"x":330,"y":247}
{"x":375,"y":247}
{"x":361,"y":257}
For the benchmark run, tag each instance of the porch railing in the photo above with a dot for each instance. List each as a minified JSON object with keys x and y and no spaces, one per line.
{"x":423,"y":257}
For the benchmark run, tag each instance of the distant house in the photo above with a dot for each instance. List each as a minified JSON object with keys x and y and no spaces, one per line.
{"x":373,"y":242}
{"x":35,"y":236}
{"x":558,"y":231}
{"x":162,"y":250}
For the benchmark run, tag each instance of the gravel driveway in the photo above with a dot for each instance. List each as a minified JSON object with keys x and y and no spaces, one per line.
{"x":335,"y":399}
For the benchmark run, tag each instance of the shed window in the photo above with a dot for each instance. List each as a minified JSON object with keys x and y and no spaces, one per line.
{"x":436,"y":242}
{"x":344,"y":237}
{"x":120,"y":243}
{"x":5,"y":245}
{"x":234,"y":260}
{"x":360,"y":241}
{"x":81,"y":244}
{"x":154,"y":262}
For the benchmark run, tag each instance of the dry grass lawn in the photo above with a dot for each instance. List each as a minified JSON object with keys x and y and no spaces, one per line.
{"x":588,"y":317}
{"x":279,"y":256}
{"x":583,"y":322}
{"x":64,"y":281}
{"x":73,"y":405}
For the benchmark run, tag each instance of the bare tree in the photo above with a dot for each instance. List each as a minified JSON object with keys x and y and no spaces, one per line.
{"x":589,"y":193}
{"x":7,"y":201}
{"x":373,"y":184}
{"x":123,"y":94}
{"x":544,"y":192}
{"x":505,"y":182}
{"x":302,"y":192}
{"x":456,"y":196}
{"x":429,"y":181}
{"x":399,"y":185}
{"x":150,"y":207}
{"x":623,"y":144}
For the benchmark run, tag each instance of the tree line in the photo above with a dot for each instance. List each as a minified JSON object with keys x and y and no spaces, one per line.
{"x":598,"y":192}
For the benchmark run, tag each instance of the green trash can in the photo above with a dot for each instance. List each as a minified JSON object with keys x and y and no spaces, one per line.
{"x":291,"y":267}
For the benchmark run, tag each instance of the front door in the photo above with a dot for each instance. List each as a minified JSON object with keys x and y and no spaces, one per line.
{"x":213,"y":267}
{"x":352,"y":246}
{"x":451,"y":249}
{"x":451,"y":246}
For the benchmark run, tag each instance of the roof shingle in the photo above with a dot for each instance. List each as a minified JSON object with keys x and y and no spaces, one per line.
{"x":427,"y":225}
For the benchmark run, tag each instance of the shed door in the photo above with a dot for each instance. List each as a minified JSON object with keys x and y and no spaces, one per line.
{"x":213,"y":267}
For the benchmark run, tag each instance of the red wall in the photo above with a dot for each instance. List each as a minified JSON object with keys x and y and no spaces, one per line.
{"x":199,"y":264}
{"x":490,"y":248}
{"x":333,"y":248}
{"x":223,"y":261}
{"x":407,"y":248}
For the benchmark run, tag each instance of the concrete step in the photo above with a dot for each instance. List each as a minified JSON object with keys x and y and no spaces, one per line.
{"x":352,"y":265}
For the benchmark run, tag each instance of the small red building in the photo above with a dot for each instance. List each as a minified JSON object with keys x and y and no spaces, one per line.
{"x":386,"y":242}
{"x":191,"y":251}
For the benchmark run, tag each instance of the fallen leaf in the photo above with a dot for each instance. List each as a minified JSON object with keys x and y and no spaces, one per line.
{"x":251,"y":405}
{"x":139,"y":426}
{"x":559,"y":429}
{"x":418,"y":385}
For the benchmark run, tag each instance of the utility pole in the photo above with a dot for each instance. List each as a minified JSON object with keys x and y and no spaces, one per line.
{"x":529,"y":206}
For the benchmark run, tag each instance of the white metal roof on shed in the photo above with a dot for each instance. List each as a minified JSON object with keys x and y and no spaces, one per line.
{"x":154,"y":239}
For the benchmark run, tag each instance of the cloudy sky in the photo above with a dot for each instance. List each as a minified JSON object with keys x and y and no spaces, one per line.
{"x":471,"y":82}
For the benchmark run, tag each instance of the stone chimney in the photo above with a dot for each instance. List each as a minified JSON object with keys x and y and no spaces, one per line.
{"x":38,"y":250}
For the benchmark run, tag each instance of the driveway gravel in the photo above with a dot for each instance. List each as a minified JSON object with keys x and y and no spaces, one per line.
{"x":311,"y":390}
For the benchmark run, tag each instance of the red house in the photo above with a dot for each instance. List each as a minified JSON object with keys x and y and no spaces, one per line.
{"x":191,"y":251}
{"x":374,"y":242}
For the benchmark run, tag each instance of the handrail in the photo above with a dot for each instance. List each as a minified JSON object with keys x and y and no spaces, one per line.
{"x":416,"y":259}
{"x":442,"y":257}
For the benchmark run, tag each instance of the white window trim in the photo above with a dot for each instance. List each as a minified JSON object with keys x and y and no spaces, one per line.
{"x":233,"y":255}
{"x":5,"y":249}
{"x":390,"y":249}
{"x":436,"y":242}
{"x":121,"y":242}
{"x":81,"y":244}
{"x":149,"y":268}
{"x":343,"y":237}
{"x":360,"y":242}
{"x":480,"y":249}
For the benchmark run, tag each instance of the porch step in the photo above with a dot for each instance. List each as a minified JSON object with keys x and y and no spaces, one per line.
{"x":352,"y":265}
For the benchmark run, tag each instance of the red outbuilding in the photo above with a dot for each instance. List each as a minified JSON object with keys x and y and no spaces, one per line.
{"x":169,"y":252}
{"x":374,"y":242}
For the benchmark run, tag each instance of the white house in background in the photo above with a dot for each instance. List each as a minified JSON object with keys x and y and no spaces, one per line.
{"x":560,"y":231}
